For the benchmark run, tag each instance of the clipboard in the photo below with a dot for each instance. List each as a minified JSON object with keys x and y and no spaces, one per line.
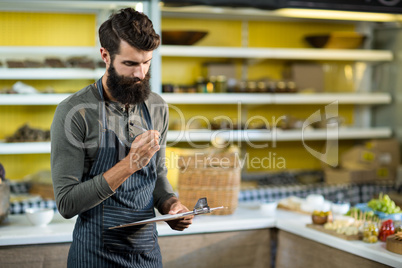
{"x":200,"y":208}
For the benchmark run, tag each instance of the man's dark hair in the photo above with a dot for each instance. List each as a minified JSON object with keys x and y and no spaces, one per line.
{"x":131,"y":26}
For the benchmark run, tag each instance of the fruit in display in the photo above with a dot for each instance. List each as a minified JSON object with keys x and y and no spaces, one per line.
{"x":384,"y":204}
{"x":321,"y":217}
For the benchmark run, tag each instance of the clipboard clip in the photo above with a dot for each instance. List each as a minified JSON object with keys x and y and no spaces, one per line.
{"x":201,"y":207}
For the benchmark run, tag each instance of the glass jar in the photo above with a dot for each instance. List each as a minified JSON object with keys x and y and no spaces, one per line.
{"x":370,"y":232}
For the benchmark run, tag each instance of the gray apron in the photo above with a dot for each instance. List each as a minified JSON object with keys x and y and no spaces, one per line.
{"x":94,"y":245}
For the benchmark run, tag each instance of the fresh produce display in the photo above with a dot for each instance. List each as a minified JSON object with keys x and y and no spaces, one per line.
{"x":387,"y":228}
{"x":322,"y":213}
{"x":362,"y":215}
{"x":384,"y":204}
{"x":370,"y":232}
{"x":346,"y":227}
{"x":321,"y":217}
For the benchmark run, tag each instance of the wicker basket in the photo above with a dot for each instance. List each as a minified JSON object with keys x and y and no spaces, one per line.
{"x":213,"y":174}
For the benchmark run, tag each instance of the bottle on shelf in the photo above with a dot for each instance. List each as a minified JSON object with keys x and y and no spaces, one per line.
{"x":221,"y":84}
{"x":201,"y":85}
{"x":211,"y":84}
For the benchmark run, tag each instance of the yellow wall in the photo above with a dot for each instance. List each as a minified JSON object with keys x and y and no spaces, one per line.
{"x":39,"y":29}
{"x":227,"y":33}
{"x":47,"y":29}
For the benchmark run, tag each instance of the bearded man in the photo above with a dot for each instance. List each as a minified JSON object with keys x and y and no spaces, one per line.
{"x":108,"y":153}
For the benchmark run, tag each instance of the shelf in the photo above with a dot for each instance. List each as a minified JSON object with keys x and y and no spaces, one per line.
{"x":218,"y":98}
{"x":278,"y":135}
{"x":266,"y":98}
{"x":224,"y":98}
{"x":325,"y":98}
{"x":65,"y":6}
{"x":48,"y":51}
{"x":25,"y":148}
{"x":256,"y":14}
{"x":49,"y":73}
{"x":32,"y":99}
{"x":174,"y":137}
{"x":277,"y":53}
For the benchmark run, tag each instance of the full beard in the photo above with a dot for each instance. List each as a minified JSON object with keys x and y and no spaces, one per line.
{"x":127,"y":90}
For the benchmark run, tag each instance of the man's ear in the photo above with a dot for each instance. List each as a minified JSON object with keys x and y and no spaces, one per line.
{"x":105,"y":55}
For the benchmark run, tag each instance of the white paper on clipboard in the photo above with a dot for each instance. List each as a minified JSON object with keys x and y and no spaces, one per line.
{"x":167,"y":217}
{"x":200,"y":208}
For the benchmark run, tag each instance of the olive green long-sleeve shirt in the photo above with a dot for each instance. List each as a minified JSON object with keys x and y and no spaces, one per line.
{"x":75,"y":138}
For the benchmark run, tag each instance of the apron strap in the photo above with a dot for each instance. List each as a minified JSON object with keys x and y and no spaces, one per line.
{"x":102,"y":103}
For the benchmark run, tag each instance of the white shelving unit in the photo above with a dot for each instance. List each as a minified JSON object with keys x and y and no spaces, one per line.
{"x":266,"y":98}
{"x":25,"y":148}
{"x":276,"y":135}
{"x":48,"y":51}
{"x":50,"y":73}
{"x":175,"y":137}
{"x":362,"y":99}
{"x":40,"y":53}
{"x":225,"y":98}
{"x":277,"y":53}
{"x":32,"y":99}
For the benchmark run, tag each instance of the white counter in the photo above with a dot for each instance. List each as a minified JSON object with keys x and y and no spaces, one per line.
{"x":16,"y":230}
{"x":375,"y":252}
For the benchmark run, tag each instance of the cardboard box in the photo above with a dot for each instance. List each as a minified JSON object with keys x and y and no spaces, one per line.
{"x":308,"y":76}
{"x":359,"y":157}
{"x":380,"y":156}
{"x":216,"y":69}
{"x":385,"y":173}
{"x":357,"y":176}
{"x":389,"y":150}
{"x":341,"y":175}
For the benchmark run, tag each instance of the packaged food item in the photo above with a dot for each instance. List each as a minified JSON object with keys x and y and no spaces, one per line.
{"x":370,"y":232}
{"x":387,"y":228}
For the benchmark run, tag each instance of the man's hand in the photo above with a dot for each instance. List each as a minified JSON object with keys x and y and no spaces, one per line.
{"x":174,"y":206}
{"x":143,"y":149}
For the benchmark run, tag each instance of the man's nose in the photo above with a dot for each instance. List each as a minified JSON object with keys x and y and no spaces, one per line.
{"x":140,"y":72}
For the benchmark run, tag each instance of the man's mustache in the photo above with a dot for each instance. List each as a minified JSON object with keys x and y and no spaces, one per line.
{"x":129,"y":80}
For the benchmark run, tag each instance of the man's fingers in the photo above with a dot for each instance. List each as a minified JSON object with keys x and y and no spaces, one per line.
{"x":145,"y":138}
{"x":149,"y":134}
{"x":181,"y":226}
